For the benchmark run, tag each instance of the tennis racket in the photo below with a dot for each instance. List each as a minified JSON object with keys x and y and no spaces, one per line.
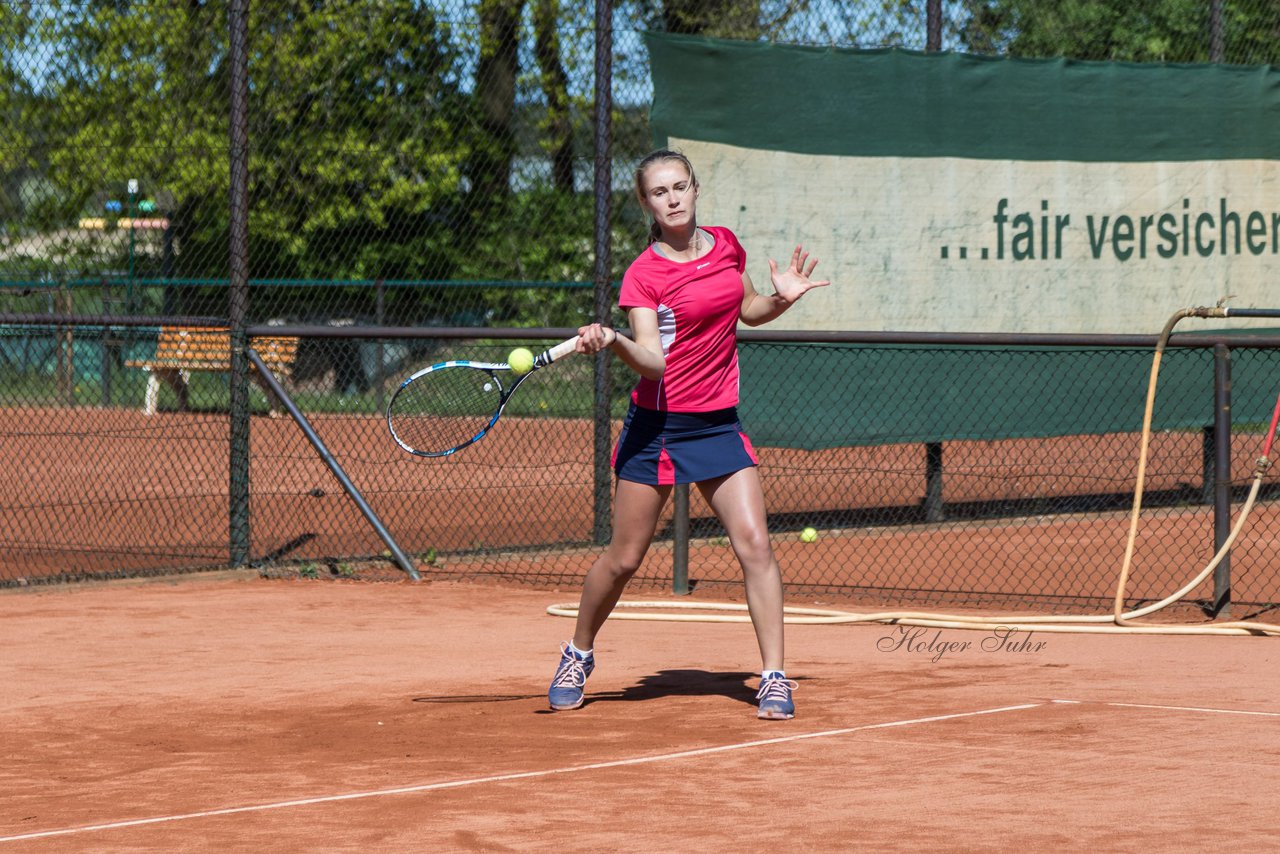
{"x":444,"y":408}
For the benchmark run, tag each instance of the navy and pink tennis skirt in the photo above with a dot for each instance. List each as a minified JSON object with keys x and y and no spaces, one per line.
{"x":664,"y":448}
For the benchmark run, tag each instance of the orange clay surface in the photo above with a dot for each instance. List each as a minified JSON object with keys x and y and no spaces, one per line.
{"x":113,"y":490}
{"x":231,"y":713}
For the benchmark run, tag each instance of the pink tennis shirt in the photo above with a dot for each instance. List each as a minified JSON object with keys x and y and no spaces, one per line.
{"x":697,"y":304}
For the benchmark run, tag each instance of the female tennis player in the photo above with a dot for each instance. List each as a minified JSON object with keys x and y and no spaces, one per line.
{"x":684,"y":296}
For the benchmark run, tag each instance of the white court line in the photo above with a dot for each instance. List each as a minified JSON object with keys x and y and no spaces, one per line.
{"x":500,"y":778}
{"x":1194,"y":709}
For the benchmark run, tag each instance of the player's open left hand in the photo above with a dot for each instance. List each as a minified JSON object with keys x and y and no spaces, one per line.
{"x":795,"y":281}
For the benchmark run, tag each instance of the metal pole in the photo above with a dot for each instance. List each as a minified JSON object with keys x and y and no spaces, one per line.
{"x":933,"y":507}
{"x":1251,"y":312}
{"x":238,"y":297}
{"x":603,"y":476}
{"x":1217,"y":41}
{"x":1207,"y":462}
{"x":133,"y":219}
{"x":380,"y":349}
{"x":680,"y":541}
{"x":1221,"y":476}
{"x":333,"y":464}
{"x":104,"y":344}
{"x":65,"y":338}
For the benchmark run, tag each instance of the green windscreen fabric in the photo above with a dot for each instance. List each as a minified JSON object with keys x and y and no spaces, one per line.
{"x":948,"y":193}
{"x":815,"y":396}
{"x":899,"y":103}
{"x":954,"y":193}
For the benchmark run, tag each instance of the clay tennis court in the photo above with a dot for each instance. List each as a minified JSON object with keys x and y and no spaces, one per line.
{"x":227,"y":712}
{"x":80,"y":504}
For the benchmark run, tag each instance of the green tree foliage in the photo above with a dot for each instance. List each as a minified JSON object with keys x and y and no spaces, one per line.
{"x":15,"y":94}
{"x":408,"y":139}
{"x":352,"y":127}
{"x":384,"y":139}
{"x":129,"y":93}
{"x":735,"y":19}
{"x":1156,"y":31}
{"x":494,"y":147}
{"x":553,"y":77}
{"x":356,"y":150}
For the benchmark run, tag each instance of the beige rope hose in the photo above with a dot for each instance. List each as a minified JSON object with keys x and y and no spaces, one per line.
{"x":1120,"y":621}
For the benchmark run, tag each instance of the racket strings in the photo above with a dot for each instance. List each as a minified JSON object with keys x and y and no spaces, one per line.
{"x":445,"y":408}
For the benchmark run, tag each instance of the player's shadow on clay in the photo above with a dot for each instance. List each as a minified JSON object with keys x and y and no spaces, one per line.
{"x":683,"y":683}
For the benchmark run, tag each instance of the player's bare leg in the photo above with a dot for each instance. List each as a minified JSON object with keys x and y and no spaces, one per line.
{"x":635,"y":518}
{"x":738,"y":502}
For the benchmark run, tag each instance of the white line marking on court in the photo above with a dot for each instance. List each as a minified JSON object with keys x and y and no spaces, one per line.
{"x":1195,"y":709}
{"x":502,"y":778}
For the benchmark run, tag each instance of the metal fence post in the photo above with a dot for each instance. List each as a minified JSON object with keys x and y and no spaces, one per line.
{"x":601,"y":525}
{"x":1217,"y":39}
{"x":64,"y":303}
{"x":1207,"y":463}
{"x":238,"y":252}
{"x":933,"y":506}
{"x":379,"y":371}
{"x":1221,"y":476}
{"x":680,"y":541}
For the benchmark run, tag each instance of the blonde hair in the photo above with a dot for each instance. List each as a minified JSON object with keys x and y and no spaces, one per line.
{"x":660,"y":156}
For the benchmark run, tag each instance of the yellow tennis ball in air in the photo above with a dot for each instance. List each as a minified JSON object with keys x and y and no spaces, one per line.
{"x":808,"y":535}
{"x":520,"y":360}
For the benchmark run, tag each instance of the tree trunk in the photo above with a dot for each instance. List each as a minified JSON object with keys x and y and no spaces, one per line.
{"x":555,"y":86}
{"x":494,"y":146}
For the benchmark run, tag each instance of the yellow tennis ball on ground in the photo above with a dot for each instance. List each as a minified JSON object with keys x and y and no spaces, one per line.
{"x":520,"y":360}
{"x":808,"y":535}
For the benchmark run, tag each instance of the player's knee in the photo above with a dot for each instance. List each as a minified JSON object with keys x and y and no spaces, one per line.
{"x":622,"y":567}
{"x":628,"y":569}
{"x":753,"y":547}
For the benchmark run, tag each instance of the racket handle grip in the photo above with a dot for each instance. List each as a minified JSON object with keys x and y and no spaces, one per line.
{"x":564,"y":348}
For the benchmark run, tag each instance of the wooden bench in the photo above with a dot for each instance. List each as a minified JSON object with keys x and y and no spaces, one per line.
{"x":183,"y":349}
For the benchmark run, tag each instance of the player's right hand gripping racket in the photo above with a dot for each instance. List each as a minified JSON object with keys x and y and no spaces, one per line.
{"x":450,"y":405}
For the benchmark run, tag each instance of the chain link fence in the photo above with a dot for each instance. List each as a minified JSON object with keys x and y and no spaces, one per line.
{"x":435,"y":165}
{"x":444,"y":149}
